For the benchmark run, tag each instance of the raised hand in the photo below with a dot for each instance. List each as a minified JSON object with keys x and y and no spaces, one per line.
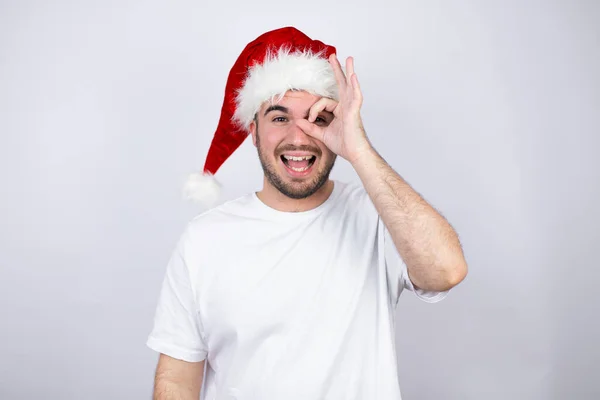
{"x":345,"y":134}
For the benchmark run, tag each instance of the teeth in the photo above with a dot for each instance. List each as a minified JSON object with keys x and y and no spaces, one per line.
{"x":297,"y":158}
{"x":299,"y":169}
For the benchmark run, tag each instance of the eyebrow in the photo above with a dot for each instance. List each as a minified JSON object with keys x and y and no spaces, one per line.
{"x":276,"y":108}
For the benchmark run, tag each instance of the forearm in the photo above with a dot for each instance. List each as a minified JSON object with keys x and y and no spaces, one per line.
{"x":177,"y":380}
{"x":166,"y":389}
{"x":425,"y":240}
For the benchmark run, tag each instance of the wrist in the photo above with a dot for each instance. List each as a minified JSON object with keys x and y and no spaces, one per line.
{"x":363,"y":156}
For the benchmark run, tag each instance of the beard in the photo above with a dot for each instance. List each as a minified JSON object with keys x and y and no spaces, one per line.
{"x":297,"y":188}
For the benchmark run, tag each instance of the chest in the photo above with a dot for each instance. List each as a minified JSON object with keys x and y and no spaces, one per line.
{"x":278,"y":280}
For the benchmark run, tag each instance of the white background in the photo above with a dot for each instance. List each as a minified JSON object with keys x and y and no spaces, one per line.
{"x":490,"y":109}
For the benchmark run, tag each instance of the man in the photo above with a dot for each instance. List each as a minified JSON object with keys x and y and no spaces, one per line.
{"x":290,"y":292}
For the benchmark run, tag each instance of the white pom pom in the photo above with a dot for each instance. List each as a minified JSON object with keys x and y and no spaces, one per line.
{"x":202,"y":188}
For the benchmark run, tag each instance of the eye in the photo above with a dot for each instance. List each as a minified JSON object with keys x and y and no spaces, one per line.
{"x":321,"y":121}
{"x":279,"y":119}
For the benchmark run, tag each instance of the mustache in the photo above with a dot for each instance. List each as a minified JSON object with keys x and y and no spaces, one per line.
{"x":287,"y":147}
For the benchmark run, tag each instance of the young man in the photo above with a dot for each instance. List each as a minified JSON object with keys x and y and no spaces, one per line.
{"x":290,"y":292}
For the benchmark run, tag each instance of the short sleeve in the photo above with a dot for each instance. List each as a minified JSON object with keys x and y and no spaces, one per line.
{"x":177,"y":330}
{"x":398,"y":277}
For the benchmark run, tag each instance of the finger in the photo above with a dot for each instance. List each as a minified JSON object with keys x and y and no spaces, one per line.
{"x":311,"y":129}
{"x":323,"y":104}
{"x":349,"y":68}
{"x":337,"y":70}
{"x":358,"y":97}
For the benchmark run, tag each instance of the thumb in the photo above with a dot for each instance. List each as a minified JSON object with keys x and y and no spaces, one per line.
{"x":311,"y":129}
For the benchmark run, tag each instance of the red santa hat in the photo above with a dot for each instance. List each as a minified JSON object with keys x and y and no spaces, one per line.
{"x":275,"y":62}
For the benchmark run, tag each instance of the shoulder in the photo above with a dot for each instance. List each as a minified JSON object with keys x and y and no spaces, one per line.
{"x":219,"y":218}
{"x":353,"y":194}
{"x":209,"y":232}
{"x":352,"y":201}
{"x":349,"y":190}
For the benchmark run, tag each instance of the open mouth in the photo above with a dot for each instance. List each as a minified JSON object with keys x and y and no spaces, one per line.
{"x":298,"y":163}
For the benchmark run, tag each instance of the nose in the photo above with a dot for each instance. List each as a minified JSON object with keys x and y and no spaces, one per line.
{"x":297,"y":135}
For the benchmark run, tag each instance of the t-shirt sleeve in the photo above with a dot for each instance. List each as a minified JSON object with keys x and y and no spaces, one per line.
{"x":398,"y":274}
{"x":177,"y":330}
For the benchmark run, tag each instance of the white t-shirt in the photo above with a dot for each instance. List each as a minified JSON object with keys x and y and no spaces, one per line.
{"x":286,"y":305}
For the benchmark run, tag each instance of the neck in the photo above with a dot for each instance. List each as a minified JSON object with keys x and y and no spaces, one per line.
{"x":280,"y":202}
